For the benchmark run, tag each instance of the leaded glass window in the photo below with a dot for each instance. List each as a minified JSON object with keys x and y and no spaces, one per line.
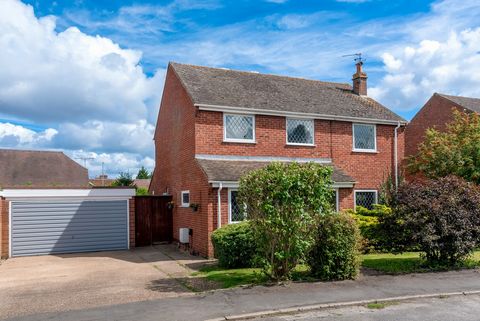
{"x":364,"y":137}
{"x":235,"y":211}
{"x":300,"y":131}
{"x":239,"y":128}
{"x":366,"y":199}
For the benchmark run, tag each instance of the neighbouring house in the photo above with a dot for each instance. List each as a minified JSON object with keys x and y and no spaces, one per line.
{"x":215,"y":125}
{"x":436,"y":113}
{"x":40,"y":169}
{"x":101,"y":180}
{"x":48,"y":207}
{"x":142,"y":183}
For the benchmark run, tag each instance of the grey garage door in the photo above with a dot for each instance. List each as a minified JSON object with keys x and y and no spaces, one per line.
{"x":47,"y":227}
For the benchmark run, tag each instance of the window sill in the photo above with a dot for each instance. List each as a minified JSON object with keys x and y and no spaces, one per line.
{"x":240,"y":141}
{"x":184,"y":206}
{"x":367,"y":151}
{"x":301,"y":145}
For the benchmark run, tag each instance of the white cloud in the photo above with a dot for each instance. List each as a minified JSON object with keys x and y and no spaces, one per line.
{"x":18,"y":136}
{"x":413,"y":74}
{"x":68,"y":76}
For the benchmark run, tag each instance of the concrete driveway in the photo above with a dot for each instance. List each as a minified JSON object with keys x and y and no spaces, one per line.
{"x":51,"y":283}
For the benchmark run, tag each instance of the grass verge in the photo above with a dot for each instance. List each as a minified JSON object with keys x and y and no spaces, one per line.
{"x":383,"y":262}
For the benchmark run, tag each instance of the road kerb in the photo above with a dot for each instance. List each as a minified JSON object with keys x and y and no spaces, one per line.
{"x":332,"y":305}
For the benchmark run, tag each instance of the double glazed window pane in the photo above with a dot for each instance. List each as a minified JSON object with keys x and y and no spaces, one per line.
{"x":364,"y":136}
{"x":300,"y":131}
{"x":239,"y":127}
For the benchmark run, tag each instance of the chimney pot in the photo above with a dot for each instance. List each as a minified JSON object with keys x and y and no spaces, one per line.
{"x":360,"y":80}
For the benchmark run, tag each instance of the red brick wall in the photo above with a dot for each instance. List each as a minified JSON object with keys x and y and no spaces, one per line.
{"x":333,"y":139}
{"x":437,"y":112}
{"x":4,"y":223}
{"x":176,"y":168}
{"x":131,"y":205}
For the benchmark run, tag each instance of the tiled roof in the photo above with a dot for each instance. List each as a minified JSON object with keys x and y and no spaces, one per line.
{"x":232,"y":170}
{"x":231,"y":88}
{"x":145,"y":183}
{"x":40,"y":169}
{"x":472,"y":104}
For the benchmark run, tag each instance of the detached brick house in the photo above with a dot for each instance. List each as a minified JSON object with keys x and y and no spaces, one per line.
{"x":436,"y":113}
{"x":215,"y":125}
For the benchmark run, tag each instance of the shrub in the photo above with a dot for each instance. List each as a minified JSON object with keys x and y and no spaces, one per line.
{"x":368,"y":222}
{"x":141,"y":191}
{"x":335,"y":255}
{"x":441,"y":217}
{"x":284,"y":203}
{"x":234,"y":245}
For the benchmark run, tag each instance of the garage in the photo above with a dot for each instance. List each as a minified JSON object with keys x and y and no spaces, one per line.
{"x":68,"y":221}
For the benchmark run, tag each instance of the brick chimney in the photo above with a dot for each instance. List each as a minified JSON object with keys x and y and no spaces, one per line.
{"x":359,"y":80}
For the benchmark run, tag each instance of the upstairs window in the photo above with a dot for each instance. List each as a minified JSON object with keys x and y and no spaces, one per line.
{"x":366,"y":199}
{"x":239,"y":128}
{"x":300,"y":131}
{"x":364,"y":138}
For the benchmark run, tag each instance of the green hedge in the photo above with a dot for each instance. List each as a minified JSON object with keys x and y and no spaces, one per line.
{"x":234,"y":245}
{"x":335,"y":255}
{"x":368,"y":222}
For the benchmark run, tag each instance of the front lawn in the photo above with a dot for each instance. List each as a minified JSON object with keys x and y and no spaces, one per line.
{"x":383,"y":262}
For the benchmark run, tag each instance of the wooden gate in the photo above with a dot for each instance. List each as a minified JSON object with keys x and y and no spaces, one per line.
{"x":153,"y":220}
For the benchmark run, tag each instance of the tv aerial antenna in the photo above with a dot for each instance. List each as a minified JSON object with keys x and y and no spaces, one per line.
{"x":358,"y":57}
{"x":84,"y":159}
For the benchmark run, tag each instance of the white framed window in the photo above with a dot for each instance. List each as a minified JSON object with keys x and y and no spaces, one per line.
{"x":239,"y":128}
{"x":364,"y":137}
{"x":185,"y":198}
{"x":235,"y":213}
{"x":366,"y":198}
{"x":300,"y":131}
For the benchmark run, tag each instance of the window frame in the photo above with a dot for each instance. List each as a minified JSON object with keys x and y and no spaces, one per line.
{"x":181,"y":198}
{"x":230,"y":221}
{"x":363,"y":191}
{"x":238,"y":140}
{"x":299,"y":144}
{"x":365,"y":150}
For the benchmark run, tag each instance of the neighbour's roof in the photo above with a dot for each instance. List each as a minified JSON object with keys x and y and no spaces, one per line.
{"x":145,"y":183}
{"x":472,"y":104}
{"x":40,"y":169}
{"x":98,"y":182}
{"x":232,"y":170}
{"x":232,"y":88}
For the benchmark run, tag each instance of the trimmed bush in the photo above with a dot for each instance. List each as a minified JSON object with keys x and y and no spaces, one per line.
{"x":234,"y":245}
{"x":441,"y":217}
{"x":368,"y":222}
{"x":335,"y":255}
{"x":284,"y":203}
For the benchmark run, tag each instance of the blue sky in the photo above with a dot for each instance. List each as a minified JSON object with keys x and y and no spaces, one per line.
{"x":86,"y":76}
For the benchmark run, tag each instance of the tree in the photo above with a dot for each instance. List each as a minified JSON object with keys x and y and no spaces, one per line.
{"x":143,"y":173}
{"x":455,"y":151}
{"x":284,"y":203}
{"x":124,"y":179}
{"x":440,"y":217}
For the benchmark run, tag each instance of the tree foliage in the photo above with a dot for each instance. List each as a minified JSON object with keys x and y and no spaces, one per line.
{"x":336,"y":255}
{"x":143,"y":173}
{"x":124,"y":179}
{"x":284,"y":203}
{"x":453,"y":152}
{"x":441,"y":217}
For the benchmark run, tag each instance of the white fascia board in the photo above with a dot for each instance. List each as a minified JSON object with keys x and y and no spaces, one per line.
{"x":230,"y":184}
{"x":257,"y":111}
{"x":117,"y":193}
